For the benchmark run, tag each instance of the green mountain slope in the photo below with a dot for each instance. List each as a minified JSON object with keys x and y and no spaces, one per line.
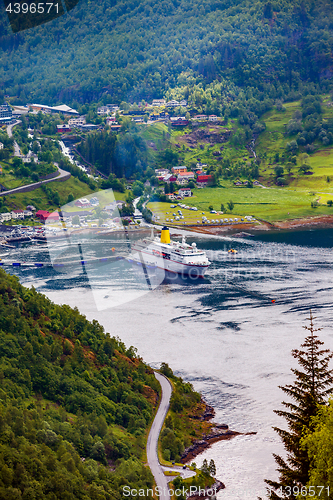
{"x":76,"y":404}
{"x":139,"y":49}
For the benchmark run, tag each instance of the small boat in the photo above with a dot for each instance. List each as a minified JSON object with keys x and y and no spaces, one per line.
{"x":232,"y":251}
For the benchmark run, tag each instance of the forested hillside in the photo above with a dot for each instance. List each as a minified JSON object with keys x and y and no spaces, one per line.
{"x":138,"y":49}
{"x":75,"y":403}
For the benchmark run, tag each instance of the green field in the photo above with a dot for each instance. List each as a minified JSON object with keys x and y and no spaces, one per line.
{"x":72,"y":186}
{"x":271,"y":204}
{"x":39,"y":199}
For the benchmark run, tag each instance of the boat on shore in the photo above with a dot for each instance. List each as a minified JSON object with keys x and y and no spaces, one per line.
{"x":172,"y":256}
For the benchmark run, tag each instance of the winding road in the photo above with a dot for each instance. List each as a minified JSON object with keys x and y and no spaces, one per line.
{"x":152,"y":455}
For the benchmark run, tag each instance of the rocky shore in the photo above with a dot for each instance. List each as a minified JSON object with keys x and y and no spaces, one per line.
{"x":217,"y":432}
{"x":208,"y":492}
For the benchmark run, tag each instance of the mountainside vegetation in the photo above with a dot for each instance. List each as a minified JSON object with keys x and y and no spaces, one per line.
{"x":113,"y":51}
{"x":309,"y":392}
{"x":75,"y":403}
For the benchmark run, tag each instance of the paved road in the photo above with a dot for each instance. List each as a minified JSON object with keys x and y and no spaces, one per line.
{"x":36,"y":185}
{"x":10,"y":128}
{"x":17,"y":151}
{"x":153,"y":462}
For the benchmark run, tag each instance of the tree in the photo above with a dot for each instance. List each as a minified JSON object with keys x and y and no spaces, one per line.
{"x":230,"y":205}
{"x":212,"y":468}
{"x":76,"y":220}
{"x":278,"y":171}
{"x":205,"y":467}
{"x":222,"y":208}
{"x":313,"y":384}
{"x":319,"y":446}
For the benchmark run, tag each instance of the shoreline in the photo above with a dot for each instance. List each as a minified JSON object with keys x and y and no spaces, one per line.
{"x":302,"y":223}
{"x":217,"y":432}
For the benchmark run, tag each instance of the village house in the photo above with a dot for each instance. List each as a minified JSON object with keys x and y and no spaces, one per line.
{"x":172,"y":104}
{"x":179,"y":121}
{"x":42,"y":215}
{"x":75,"y":122}
{"x":17,"y":214}
{"x":63,"y":128}
{"x":88,"y":126}
{"x":1,"y":145}
{"x":112,"y":107}
{"x":213,"y":118}
{"x":179,"y":170}
{"x":159,"y":172}
{"x":184,"y":178}
{"x":5,"y":217}
{"x":170,"y":178}
{"x":185,"y":192}
{"x":103,"y":110}
{"x":6,"y":113}
{"x":204,"y":180}
{"x":111,"y":119}
{"x":158,"y":102}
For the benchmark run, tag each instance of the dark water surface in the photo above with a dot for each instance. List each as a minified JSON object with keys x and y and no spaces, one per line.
{"x":222,"y":333}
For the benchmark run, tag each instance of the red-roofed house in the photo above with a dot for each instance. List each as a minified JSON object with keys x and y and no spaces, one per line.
{"x":63,"y":128}
{"x":44,"y":214}
{"x":168,"y":179}
{"x":204,"y":180}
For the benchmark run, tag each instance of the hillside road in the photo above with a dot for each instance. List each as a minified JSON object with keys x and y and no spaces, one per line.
{"x":152,"y":456}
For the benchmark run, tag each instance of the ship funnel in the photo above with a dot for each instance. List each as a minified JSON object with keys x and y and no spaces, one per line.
{"x":165,"y":235}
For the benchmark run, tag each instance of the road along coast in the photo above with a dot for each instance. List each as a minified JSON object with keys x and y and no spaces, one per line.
{"x":216,"y":432}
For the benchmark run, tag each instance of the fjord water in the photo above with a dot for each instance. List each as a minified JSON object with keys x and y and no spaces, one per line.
{"x":225,"y":334}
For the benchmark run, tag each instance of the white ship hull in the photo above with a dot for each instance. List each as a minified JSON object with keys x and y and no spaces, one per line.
{"x":177,"y":258}
{"x":148,"y":260}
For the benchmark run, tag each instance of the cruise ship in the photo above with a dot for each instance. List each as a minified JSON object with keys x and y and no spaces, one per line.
{"x":171,"y":256}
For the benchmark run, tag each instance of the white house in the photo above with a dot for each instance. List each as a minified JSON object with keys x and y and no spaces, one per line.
{"x":17,"y":214}
{"x":103,"y":110}
{"x":5,"y":217}
{"x":1,"y":145}
{"x":158,"y":102}
{"x":213,"y":118}
{"x":161,"y":172}
{"x":184,"y":178}
{"x":74,"y":122}
{"x":172,"y":104}
{"x":185,"y":192}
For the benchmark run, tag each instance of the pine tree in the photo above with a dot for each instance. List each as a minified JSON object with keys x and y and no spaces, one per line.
{"x":313,"y":384}
{"x":204,"y":467}
{"x":212,"y":468}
